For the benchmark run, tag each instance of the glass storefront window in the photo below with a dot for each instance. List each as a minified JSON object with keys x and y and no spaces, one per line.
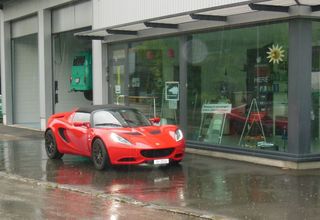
{"x":153,"y":79}
{"x":117,"y":68}
{"x":315,"y":86}
{"x":238,"y":87}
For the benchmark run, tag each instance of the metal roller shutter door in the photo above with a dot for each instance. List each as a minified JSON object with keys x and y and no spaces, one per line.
{"x":26,"y":107}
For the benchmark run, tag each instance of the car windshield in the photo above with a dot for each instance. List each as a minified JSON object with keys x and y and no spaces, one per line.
{"x":119,"y":118}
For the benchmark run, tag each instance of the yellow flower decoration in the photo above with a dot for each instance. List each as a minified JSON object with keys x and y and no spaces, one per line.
{"x":275,"y":54}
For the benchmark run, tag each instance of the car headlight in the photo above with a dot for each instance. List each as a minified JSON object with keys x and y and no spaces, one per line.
{"x":178,"y":135}
{"x":119,"y":139}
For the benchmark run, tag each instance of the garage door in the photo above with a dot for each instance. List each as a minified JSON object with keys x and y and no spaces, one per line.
{"x":26,"y":108}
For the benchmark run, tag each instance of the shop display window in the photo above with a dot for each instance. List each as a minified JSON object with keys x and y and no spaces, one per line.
{"x":238,"y":87}
{"x":237,"y":84}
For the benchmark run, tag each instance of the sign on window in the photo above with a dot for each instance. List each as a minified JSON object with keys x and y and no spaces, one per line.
{"x":172,"y":91}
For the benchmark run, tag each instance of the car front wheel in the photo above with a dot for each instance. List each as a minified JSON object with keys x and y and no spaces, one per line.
{"x":51,"y":146}
{"x":100,"y":155}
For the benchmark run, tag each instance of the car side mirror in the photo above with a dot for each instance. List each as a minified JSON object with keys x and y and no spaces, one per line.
{"x":155,"y":120}
{"x":82,"y":124}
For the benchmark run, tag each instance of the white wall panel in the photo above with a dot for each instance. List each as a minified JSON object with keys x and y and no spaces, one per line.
{"x":24,"y":27}
{"x":107,"y":13}
{"x":20,"y":8}
{"x":72,"y":17}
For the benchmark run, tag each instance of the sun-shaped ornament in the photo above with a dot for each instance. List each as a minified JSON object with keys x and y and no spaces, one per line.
{"x":275,"y":54}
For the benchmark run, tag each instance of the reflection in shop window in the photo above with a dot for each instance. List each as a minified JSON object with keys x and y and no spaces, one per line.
{"x":118,"y":59}
{"x":315,"y":86}
{"x":152,"y":65}
{"x":238,"y":90}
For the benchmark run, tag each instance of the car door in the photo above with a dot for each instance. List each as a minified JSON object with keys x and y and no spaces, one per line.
{"x":78,"y":135}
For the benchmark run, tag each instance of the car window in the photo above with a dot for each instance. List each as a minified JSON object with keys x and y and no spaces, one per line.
{"x":81,"y":117}
{"x":105,"y":118}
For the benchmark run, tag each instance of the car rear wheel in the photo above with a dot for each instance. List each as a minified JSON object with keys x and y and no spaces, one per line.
{"x":51,"y":146}
{"x":100,"y":155}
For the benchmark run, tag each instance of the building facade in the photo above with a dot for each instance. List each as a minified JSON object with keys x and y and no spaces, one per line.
{"x":241,"y":78}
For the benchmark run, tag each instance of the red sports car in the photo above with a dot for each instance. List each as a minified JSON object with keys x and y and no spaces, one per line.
{"x":112,"y":135}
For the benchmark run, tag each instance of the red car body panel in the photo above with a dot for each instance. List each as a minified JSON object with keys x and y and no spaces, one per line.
{"x":78,"y":140}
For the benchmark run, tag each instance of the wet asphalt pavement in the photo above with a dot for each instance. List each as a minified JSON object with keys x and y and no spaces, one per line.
{"x":201,"y":186}
{"x":19,"y":200}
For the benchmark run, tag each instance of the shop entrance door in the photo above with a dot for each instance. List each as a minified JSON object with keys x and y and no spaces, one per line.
{"x":118,"y":86}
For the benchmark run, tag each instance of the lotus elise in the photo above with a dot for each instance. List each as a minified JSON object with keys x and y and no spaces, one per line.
{"x":113,"y":135}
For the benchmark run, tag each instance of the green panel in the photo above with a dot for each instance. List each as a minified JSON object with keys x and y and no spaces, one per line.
{"x":81,"y":76}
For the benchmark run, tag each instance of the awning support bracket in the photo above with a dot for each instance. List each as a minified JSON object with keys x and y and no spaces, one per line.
{"x":208,"y":17}
{"x":274,"y":8}
{"x":123,"y":32}
{"x":315,"y":8}
{"x":161,"y":25}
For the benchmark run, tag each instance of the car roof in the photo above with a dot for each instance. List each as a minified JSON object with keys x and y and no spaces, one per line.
{"x":92,"y":108}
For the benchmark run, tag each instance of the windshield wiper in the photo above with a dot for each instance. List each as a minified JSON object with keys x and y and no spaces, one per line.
{"x":108,"y":124}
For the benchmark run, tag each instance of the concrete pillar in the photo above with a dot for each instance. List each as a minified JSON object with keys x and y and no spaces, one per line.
{"x":6,"y":73}
{"x":45,"y":66}
{"x":299,"y":96}
{"x":99,"y":77}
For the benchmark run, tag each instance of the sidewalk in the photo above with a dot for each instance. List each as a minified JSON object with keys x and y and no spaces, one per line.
{"x":13,"y":133}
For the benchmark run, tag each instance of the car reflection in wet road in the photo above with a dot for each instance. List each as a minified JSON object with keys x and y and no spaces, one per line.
{"x":209,"y":185}
{"x":143,"y":183}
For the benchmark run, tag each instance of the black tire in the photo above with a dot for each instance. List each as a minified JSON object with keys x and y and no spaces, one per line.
{"x":51,"y":146}
{"x":100,"y":155}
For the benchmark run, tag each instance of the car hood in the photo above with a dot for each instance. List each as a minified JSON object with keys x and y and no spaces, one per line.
{"x":150,"y":136}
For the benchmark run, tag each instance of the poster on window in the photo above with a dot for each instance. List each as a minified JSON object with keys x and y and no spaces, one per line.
{"x":135,"y":82}
{"x":218,"y":108}
{"x":117,"y":89}
{"x":172,"y":91}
